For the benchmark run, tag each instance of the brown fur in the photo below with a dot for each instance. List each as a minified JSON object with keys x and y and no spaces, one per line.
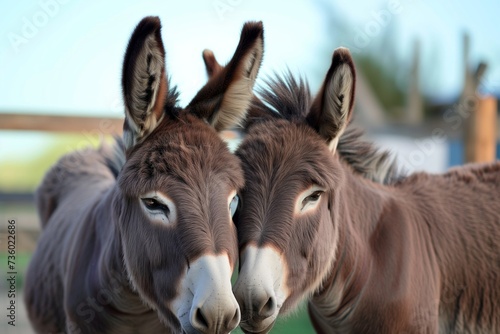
{"x":288,"y":98}
{"x":101,"y":265}
{"x":237,"y":85}
{"x":419,"y":255}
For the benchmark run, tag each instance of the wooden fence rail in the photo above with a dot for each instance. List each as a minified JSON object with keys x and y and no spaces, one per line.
{"x":18,"y":205}
{"x":53,"y":123}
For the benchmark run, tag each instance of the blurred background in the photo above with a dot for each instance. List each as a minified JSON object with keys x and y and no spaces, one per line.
{"x":428,"y":81}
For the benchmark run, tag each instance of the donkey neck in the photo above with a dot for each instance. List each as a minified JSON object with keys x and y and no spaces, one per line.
{"x":360,"y":207}
{"x":107,"y":300}
{"x":112,"y":274}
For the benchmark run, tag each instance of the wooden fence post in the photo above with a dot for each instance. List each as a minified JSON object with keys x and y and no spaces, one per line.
{"x":481,"y":125}
{"x":481,"y":142}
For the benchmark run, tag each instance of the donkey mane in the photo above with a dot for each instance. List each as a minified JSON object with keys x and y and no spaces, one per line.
{"x":105,"y":162}
{"x":284,"y":96}
{"x":114,"y":158}
{"x":172,"y":100}
{"x":368,"y":160}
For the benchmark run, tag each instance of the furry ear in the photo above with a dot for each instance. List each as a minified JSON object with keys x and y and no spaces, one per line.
{"x":257,"y":110}
{"x":144,"y":81}
{"x":332,"y":107}
{"x":212,"y":66}
{"x":223,"y":102}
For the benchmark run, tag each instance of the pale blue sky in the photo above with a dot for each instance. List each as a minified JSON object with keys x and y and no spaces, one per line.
{"x":71,"y":62}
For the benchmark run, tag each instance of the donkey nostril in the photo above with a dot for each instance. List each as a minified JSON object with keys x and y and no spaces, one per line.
{"x":199,"y":321}
{"x":235,"y":320}
{"x":269,"y":308}
{"x":203,"y":323}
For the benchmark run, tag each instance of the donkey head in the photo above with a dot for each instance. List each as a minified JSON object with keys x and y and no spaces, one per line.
{"x":177,"y":189}
{"x":287,"y":221}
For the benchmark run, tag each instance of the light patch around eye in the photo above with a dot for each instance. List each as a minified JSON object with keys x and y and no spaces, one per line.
{"x":161,"y":210}
{"x":233,"y":201}
{"x":308,"y":200}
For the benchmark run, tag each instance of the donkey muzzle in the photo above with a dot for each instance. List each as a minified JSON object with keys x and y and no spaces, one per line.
{"x":261,"y":288}
{"x":206,"y":303}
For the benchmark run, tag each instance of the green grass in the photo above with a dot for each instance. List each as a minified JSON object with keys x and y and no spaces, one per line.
{"x":21,"y":263}
{"x":298,"y":324}
{"x":25,"y":175}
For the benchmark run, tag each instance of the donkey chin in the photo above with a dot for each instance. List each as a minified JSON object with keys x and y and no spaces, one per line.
{"x":258,"y":326}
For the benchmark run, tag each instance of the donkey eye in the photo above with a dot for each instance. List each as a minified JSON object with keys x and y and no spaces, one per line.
{"x":234,"y":205}
{"x":312,"y":198}
{"x":153,"y":205}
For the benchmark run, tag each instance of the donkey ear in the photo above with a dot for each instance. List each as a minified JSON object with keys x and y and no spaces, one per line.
{"x":212,"y":66}
{"x":257,"y":110}
{"x":331,"y":110}
{"x":223,"y":102}
{"x":144,"y":81}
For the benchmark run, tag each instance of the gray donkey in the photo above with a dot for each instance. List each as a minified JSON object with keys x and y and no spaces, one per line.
{"x":140,"y":238}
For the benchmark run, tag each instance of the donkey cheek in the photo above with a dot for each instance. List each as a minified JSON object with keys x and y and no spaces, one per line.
{"x":168,"y":292}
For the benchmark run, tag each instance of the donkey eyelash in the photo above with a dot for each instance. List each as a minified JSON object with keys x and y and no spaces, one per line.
{"x":154,"y":205}
{"x":234,"y":204}
{"x":159,"y":207}
{"x":315,"y":196}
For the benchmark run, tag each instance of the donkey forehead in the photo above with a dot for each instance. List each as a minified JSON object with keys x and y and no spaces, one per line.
{"x":190,"y":152}
{"x":284,"y":152}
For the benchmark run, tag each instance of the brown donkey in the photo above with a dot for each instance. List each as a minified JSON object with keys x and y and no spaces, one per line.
{"x":418,"y":255}
{"x":140,"y":239}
